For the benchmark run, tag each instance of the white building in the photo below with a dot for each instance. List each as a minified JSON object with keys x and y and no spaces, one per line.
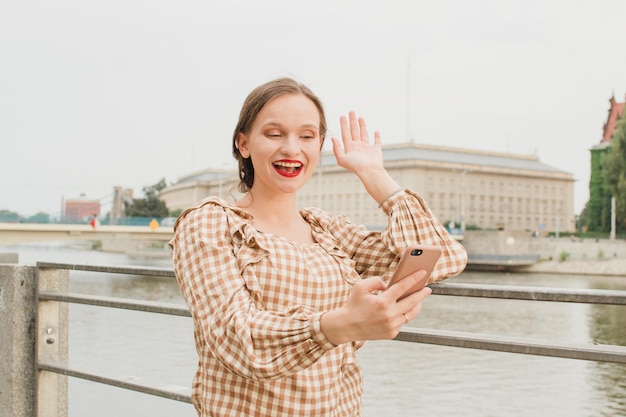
{"x":487,"y":190}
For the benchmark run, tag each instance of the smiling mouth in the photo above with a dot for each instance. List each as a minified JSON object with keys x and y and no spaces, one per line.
{"x":288,"y":168}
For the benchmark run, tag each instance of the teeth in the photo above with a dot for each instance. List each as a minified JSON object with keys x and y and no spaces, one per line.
{"x":288,"y":164}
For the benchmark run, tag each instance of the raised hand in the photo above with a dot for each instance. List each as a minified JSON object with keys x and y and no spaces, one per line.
{"x":354,"y":152}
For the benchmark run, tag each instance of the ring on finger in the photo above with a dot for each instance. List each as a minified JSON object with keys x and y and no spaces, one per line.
{"x":406,"y":319}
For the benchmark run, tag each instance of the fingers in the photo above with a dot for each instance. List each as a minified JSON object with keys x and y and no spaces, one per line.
{"x":415,"y":303}
{"x":338,"y":150}
{"x":358,"y":129}
{"x":411,"y":306}
{"x":377,"y":140}
{"x":417,"y":296}
{"x":397,"y":290}
{"x":372,"y":315}
{"x":345,"y":129}
{"x":408,"y":306}
{"x":364,"y":136}
{"x":354,"y":129}
{"x":371,"y":285}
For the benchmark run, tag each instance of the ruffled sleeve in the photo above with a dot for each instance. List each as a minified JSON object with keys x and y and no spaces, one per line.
{"x":211,"y":249}
{"x":409,"y":221}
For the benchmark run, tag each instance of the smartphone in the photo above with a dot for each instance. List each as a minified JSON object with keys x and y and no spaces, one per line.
{"x":413,"y":259}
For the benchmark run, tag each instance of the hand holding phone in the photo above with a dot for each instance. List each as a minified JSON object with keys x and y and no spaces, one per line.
{"x":415,"y":258}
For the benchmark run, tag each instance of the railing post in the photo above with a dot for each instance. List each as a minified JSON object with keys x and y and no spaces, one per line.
{"x":52,"y":343}
{"x":17,"y":336}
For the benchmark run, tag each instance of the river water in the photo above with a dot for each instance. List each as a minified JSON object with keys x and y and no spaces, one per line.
{"x":400,"y":379}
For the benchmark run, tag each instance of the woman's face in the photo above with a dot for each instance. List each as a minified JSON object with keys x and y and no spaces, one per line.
{"x":283,"y":143}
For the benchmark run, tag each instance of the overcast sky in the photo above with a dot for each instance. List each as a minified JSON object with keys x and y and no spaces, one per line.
{"x":99,"y":94}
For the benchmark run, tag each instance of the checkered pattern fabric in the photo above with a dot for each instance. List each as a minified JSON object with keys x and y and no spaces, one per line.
{"x":256,"y":301}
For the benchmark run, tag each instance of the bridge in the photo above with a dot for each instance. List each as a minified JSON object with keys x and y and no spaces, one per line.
{"x":20,"y":233}
{"x":130,"y":238}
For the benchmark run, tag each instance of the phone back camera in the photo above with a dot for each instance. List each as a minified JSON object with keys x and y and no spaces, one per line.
{"x":416,"y":252}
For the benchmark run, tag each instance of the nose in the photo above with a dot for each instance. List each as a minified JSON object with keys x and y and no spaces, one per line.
{"x":290,"y":145}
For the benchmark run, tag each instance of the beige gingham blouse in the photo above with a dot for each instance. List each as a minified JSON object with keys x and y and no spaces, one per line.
{"x":256,"y":301}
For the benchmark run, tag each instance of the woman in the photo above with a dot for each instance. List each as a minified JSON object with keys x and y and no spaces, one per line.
{"x":278,"y":295}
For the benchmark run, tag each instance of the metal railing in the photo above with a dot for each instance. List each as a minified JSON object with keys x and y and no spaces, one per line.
{"x":52,"y":364}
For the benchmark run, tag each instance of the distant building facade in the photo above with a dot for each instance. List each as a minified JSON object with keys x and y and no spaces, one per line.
{"x":464,"y":187}
{"x":121,"y":198}
{"x":198,"y":185}
{"x":616,"y":110}
{"x":80,"y":210}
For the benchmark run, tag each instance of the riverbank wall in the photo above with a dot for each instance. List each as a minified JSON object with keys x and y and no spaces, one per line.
{"x":563,"y":255}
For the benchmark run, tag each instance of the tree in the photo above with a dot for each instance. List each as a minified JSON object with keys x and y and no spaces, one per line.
{"x":614,"y":169}
{"x":40,"y":217}
{"x":596,"y":215}
{"x":175,"y":212}
{"x":8,"y":216}
{"x":151,"y":205}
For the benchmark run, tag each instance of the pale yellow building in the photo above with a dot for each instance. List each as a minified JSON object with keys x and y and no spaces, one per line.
{"x":198,"y":185}
{"x":482,"y":189}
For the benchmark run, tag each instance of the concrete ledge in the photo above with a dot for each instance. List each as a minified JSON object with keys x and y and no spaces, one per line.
{"x":609,"y":267}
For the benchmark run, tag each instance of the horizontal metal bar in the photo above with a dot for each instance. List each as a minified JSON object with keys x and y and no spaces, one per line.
{"x":605,"y":353}
{"x":177,"y":393}
{"x":131,"y":270}
{"x":600,"y":353}
{"x":114,"y":302}
{"x":511,"y":292}
{"x":589,"y":296}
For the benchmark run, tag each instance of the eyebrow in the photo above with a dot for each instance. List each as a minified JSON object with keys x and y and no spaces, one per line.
{"x":277,"y":124}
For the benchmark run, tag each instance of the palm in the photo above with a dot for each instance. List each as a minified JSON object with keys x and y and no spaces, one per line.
{"x":357,"y":153}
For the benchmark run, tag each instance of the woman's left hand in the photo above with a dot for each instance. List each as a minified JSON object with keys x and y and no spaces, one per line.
{"x":357,"y":154}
